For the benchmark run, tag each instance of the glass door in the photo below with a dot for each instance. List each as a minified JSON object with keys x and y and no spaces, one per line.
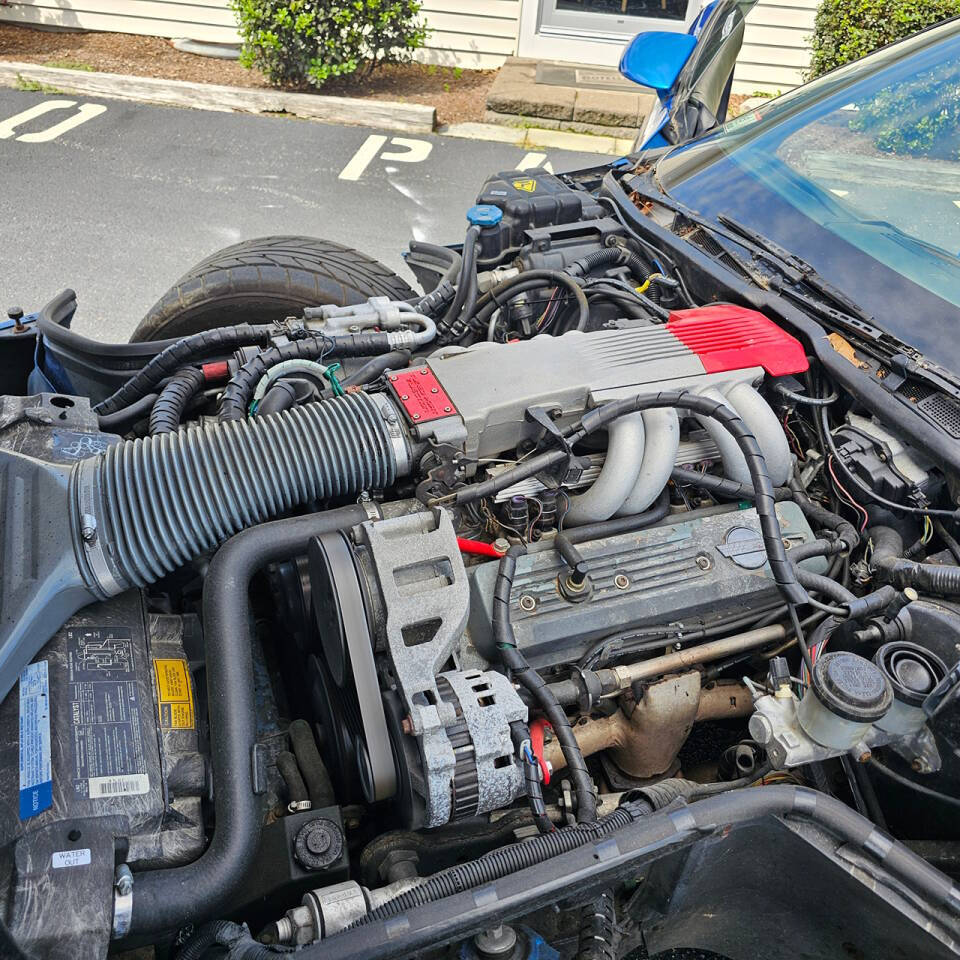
{"x":611,"y":17}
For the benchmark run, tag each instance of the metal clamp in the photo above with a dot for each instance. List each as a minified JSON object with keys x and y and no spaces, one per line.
{"x":122,"y":902}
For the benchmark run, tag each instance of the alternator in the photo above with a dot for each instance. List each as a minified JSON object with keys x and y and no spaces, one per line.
{"x":392,"y":600}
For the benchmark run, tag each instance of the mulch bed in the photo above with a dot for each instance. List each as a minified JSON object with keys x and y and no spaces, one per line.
{"x":458,"y":95}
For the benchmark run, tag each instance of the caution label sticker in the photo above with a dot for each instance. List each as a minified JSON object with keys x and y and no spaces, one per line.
{"x":174,"y":694}
{"x":527,"y":186}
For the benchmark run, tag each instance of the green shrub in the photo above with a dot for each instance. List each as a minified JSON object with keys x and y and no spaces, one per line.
{"x":845,"y":30}
{"x":297,"y":42}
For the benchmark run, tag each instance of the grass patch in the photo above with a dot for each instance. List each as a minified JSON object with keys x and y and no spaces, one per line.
{"x":68,"y":64}
{"x":33,"y":86}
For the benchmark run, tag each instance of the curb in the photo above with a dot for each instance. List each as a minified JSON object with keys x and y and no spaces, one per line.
{"x":386,"y":114}
{"x":534,"y":137}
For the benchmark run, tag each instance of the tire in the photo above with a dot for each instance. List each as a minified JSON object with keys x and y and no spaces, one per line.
{"x":267,"y":279}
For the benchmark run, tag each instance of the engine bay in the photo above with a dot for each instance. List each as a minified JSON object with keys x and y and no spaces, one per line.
{"x":576,"y":607}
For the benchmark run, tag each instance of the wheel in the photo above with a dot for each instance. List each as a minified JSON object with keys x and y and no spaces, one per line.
{"x":266,"y":279}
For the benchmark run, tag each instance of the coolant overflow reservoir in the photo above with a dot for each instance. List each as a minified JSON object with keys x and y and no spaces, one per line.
{"x":848,"y":694}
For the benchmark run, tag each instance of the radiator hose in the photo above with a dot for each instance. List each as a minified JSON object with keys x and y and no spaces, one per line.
{"x":888,"y":563}
{"x":165,"y":900}
{"x":145,"y":507}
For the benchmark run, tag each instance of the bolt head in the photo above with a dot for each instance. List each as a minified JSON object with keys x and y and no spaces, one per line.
{"x":527,"y":602}
{"x":424,"y":371}
{"x":416,"y":416}
{"x":434,"y":389}
{"x":88,"y":528}
{"x":446,"y":409}
{"x":404,"y":396}
{"x":621,"y":582}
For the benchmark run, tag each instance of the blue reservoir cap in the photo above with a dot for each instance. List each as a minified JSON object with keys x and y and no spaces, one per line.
{"x":484,"y":215}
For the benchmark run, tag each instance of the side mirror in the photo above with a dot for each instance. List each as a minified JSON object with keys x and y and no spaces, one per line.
{"x":655,"y":58}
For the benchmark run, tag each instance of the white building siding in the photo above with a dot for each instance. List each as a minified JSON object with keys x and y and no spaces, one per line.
{"x":470,"y":33}
{"x":209,"y":20}
{"x":465,"y":33}
{"x":775,"y":50}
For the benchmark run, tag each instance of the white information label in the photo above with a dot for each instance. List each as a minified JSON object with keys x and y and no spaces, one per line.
{"x":71,"y":858}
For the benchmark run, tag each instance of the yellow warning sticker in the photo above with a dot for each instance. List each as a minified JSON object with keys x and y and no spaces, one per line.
{"x":528,"y":186}
{"x":174,"y":694}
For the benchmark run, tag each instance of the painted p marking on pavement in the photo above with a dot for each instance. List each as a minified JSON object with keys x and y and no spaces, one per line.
{"x":84,"y":112}
{"x":412,"y":151}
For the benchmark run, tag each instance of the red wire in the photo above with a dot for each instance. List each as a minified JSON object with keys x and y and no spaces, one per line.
{"x":478,"y":547}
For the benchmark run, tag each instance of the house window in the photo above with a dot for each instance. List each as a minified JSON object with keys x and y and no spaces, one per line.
{"x":609,"y":16}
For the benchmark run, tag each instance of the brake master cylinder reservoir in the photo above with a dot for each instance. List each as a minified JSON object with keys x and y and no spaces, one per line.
{"x":848,"y":694}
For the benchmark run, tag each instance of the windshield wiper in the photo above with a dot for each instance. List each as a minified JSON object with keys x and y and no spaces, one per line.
{"x":808,"y":275}
{"x":793,"y":269}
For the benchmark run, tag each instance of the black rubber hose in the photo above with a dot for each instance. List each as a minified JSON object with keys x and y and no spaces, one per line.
{"x":722,"y":487}
{"x":239,"y":391}
{"x":815,"y":548}
{"x":180,"y":354}
{"x":181,"y":388}
{"x":617,"y":525}
{"x":290,"y":771}
{"x":281,"y":395}
{"x":468,"y":274}
{"x":949,"y":541}
{"x":166,"y":900}
{"x":803,"y":398}
{"x":451,"y":258}
{"x":820,"y":518}
{"x":622,"y":300}
{"x":820,"y":584}
{"x":496,"y":297}
{"x":126,"y":417}
{"x":506,"y":860}
{"x":608,"y":257}
{"x":161,"y":501}
{"x":598,"y":929}
{"x":889,"y":565}
{"x":372,"y":369}
{"x":514,"y":660}
{"x":780,"y":567}
{"x":319,"y":784}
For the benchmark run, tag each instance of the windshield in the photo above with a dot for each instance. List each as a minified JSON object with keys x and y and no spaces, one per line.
{"x":859,"y":174}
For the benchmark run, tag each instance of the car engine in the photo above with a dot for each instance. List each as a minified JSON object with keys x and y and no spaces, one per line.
{"x":322,"y":631}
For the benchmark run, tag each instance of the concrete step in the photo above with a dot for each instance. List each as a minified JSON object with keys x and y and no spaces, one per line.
{"x":518,"y":95}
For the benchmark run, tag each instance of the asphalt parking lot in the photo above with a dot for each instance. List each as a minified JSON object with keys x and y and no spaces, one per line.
{"x":117,"y":199}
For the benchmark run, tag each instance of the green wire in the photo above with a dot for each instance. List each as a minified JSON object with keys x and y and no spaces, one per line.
{"x":331,"y":375}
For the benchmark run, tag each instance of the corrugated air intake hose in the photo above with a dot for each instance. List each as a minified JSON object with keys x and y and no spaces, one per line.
{"x":163,"y":500}
{"x":146,"y":507}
